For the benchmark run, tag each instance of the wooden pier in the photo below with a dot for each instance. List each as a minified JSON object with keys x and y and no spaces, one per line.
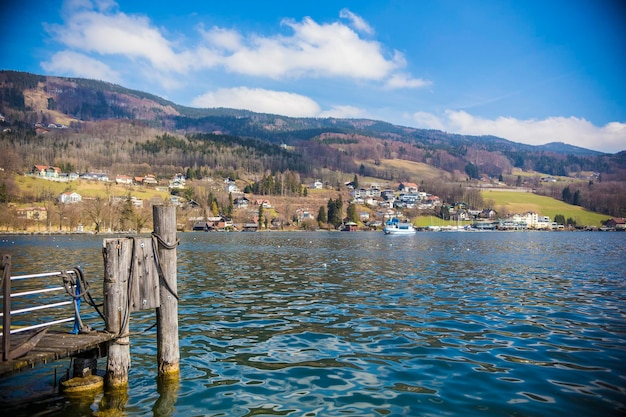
{"x":54,"y":346}
{"x":139,"y":274}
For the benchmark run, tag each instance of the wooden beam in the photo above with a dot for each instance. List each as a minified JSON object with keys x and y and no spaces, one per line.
{"x":168,"y":360}
{"x":117,"y":269}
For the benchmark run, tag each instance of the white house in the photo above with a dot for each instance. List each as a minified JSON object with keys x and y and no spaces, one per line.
{"x":232,"y":188}
{"x":123,"y":179}
{"x":70,"y":197}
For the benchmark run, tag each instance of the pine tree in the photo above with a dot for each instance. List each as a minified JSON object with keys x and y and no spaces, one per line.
{"x":230,"y":208}
{"x":335,"y":210}
{"x":321,"y":216}
{"x":260,"y":215}
{"x":351,"y":213}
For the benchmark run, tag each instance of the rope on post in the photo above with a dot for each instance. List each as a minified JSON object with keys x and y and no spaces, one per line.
{"x":157,"y":241}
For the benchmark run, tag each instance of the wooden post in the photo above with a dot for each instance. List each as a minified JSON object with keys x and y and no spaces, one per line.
{"x":164,"y":218}
{"x":6,"y":307}
{"x":118,"y":255}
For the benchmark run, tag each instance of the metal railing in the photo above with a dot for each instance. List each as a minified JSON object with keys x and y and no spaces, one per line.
{"x":39,"y":304}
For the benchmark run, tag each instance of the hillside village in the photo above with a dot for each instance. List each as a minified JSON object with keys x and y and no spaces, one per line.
{"x":229,"y":169}
{"x":369,"y":207}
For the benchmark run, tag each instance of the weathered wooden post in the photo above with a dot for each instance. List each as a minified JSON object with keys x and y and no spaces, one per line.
{"x":6,"y":307}
{"x":118,"y":255}
{"x":164,"y":218}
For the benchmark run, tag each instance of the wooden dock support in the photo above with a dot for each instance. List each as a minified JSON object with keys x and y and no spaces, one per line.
{"x":138,"y":278}
{"x":117,"y":260}
{"x":6,"y":307}
{"x":168,"y":354}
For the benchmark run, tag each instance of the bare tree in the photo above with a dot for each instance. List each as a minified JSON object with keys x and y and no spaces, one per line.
{"x":95,"y":210}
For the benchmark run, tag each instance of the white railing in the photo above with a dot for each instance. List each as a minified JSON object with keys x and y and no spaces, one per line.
{"x":39,"y":300}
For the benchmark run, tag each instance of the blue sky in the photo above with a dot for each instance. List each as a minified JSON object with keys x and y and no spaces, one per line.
{"x":529,"y":71}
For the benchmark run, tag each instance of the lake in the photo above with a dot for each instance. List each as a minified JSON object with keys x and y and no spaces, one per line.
{"x":364,"y":324}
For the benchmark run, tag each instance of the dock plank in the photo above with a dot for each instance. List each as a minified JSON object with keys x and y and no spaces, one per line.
{"x":54,"y":346}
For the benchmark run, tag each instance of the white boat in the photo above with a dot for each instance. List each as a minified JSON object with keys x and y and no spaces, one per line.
{"x":396,"y":227}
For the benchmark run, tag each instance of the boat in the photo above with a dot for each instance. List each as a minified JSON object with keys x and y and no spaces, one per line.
{"x":396,"y":227}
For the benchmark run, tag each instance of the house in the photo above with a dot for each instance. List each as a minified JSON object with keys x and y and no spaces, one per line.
{"x":200,"y":226}
{"x":250,"y":227}
{"x":231,"y":187}
{"x":45,"y":171}
{"x":387,"y":194}
{"x":474,"y":213}
{"x":487,"y":214}
{"x":136,"y":202}
{"x":178,"y":181}
{"x":241,"y":202}
{"x":371,"y":201}
{"x":150,"y":180}
{"x":529,"y":220}
{"x":461,"y":215}
{"x":617,"y":223}
{"x":264,"y":203}
{"x":180,"y":178}
{"x":70,"y":197}
{"x":32,"y":213}
{"x":408,"y":187}
{"x":123,"y":179}
{"x":92,"y":176}
{"x":349,"y":227}
{"x":219,"y":223}
{"x":39,"y":170}
{"x":304,"y":214}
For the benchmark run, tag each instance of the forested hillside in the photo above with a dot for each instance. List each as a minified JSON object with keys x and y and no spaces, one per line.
{"x":85,"y":125}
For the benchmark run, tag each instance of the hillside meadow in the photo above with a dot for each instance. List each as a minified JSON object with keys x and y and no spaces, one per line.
{"x":522,"y":202}
{"x":505,"y":202}
{"x":401,"y":167}
{"x":37,"y":189}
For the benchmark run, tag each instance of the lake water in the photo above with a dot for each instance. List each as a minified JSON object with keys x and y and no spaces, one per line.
{"x":363,"y":324}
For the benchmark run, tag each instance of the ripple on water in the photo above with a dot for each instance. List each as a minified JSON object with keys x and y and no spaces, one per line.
{"x":319,"y":324}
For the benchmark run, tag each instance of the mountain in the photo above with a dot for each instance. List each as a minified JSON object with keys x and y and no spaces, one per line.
{"x":565,"y":149}
{"x":29,"y":100}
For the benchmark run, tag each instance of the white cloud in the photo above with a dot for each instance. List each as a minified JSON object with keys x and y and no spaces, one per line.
{"x":357,"y":21}
{"x":229,"y":40}
{"x":344,"y":112}
{"x":260,"y":100}
{"x":402,"y":80}
{"x":79,"y":65}
{"x":572,"y":130}
{"x":427,"y":120}
{"x":107,"y":32}
{"x":312,"y":49}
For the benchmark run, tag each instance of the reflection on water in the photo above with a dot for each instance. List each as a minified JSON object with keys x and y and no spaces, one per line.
{"x":319,"y":324}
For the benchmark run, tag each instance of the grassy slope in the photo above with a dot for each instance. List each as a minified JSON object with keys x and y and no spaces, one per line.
{"x":415,"y":169}
{"x":514,"y":202}
{"x":519,"y":202}
{"x":87,"y":189}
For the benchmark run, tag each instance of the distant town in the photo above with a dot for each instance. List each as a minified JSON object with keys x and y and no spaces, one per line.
{"x":243,"y":211}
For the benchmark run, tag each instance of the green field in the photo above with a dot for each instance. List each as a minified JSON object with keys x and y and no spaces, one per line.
{"x":38,"y":189}
{"x":521,"y":202}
